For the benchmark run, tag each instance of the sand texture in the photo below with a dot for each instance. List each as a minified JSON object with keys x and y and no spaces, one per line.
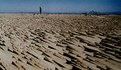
{"x":60,"y":42}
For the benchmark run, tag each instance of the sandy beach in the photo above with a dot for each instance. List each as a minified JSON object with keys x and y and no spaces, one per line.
{"x":60,"y":42}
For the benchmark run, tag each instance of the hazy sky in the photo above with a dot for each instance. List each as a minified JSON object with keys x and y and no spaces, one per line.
{"x":60,"y":5}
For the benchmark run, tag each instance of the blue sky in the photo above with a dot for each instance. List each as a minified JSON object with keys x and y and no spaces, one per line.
{"x":60,"y":5}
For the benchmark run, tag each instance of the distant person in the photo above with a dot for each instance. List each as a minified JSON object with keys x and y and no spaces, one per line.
{"x":40,"y":10}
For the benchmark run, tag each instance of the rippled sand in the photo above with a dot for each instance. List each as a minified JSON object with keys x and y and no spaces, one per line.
{"x":60,"y":42}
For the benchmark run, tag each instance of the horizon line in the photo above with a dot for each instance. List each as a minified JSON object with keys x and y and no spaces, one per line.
{"x":119,"y":13}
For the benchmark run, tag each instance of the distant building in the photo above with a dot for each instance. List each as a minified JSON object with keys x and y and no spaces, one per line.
{"x":93,"y":12}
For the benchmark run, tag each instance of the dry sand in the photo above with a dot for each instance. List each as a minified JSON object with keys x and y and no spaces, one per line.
{"x":60,"y":42}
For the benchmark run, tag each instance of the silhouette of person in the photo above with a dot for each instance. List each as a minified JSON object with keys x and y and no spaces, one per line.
{"x":40,"y":10}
